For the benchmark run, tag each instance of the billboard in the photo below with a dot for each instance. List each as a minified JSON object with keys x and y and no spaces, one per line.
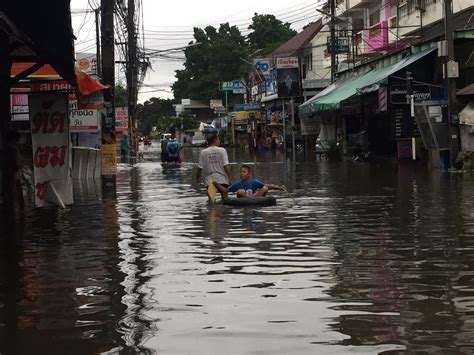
{"x":288,"y":77}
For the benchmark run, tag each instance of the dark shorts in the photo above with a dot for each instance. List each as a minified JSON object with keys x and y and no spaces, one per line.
{"x":224,"y":186}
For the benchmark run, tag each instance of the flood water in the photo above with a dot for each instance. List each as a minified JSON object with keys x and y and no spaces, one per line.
{"x":359,"y":259}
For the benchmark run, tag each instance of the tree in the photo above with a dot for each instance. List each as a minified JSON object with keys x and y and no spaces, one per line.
{"x":152,"y":112}
{"x":183,"y":122}
{"x":121,"y":98}
{"x":268,"y":33}
{"x":223,"y":55}
{"x":214,"y":58}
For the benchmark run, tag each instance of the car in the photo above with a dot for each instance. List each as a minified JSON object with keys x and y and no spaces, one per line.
{"x":198,"y":141}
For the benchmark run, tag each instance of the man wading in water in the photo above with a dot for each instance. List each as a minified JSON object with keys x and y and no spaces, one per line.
{"x":214,"y":165}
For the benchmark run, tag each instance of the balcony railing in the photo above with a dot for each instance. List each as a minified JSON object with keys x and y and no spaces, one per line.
{"x":378,"y":36}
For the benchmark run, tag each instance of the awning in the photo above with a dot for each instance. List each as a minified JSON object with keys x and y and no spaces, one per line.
{"x":40,"y":32}
{"x":466,"y":91}
{"x":331,"y":97}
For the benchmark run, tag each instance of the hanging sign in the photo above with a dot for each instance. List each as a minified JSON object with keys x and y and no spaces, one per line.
{"x":84,"y":120}
{"x":50,"y":140}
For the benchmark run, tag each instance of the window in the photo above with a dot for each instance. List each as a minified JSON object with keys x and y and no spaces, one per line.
{"x":374,"y":18}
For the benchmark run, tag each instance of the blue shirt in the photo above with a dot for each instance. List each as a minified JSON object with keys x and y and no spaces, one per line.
{"x":250,"y":187}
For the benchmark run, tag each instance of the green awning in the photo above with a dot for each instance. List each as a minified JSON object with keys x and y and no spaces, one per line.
{"x":331,"y":97}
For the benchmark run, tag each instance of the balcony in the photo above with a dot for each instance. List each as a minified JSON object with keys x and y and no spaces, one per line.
{"x":377,"y":38}
{"x":352,"y":4}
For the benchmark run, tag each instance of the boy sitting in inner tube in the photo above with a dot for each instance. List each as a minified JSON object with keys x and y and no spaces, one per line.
{"x":248,"y":186}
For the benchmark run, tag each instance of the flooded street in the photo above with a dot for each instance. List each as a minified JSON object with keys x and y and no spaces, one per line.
{"x":360,"y":258}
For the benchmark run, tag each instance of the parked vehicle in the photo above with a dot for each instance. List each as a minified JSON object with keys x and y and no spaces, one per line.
{"x":198,"y":141}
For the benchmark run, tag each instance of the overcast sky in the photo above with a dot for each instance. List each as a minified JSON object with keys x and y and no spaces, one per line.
{"x":169,"y":24}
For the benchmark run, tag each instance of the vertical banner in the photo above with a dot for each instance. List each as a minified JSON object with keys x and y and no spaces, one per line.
{"x":288,"y":77}
{"x":51,"y":150}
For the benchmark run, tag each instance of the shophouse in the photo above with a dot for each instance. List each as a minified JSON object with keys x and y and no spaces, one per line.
{"x":366,"y":105}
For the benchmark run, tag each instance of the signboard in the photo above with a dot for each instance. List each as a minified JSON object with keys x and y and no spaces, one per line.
{"x":221,"y":109}
{"x":50,"y":141}
{"x":288,"y":62}
{"x":121,"y":119}
{"x":87,"y":62}
{"x":246,"y":107}
{"x":84,"y":120}
{"x":341,"y":44}
{"x":227,"y":86}
{"x":398,"y":93}
{"x":238,"y":87}
{"x":109,"y":159}
{"x":262,"y":65}
{"x":213,"y":103}
{"x":271,"y":84}
{"x":288,"y":80}
{"x":19,"y":107}
{"x":245,"y":115}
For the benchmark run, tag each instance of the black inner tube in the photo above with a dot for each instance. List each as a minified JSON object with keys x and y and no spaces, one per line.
{"x":250,"y":201}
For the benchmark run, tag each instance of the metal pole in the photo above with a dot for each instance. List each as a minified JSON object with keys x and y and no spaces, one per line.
{"x":451,"y":80}
{"x":226,"y":110}
{"x":293,"y":130}
{"x":132,"y":77}
{"x":284,"y":125}
{"x":332,"y":4}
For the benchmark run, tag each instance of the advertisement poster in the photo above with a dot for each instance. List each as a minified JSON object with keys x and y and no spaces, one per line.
{"x":288,"y":77}
{"x":85,"y":120}
{"x":109,"y":159}
{"x":51,"y":151}
{"x":121,"y":119}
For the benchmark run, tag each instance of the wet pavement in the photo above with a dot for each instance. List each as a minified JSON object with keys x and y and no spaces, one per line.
{"x":361,"y":258}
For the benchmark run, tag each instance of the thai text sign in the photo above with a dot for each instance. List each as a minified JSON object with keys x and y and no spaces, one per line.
{"x":50,"y":140}
{"x":398,"y":93}
{"x":121,"y":119}
{"x":227,"y":86}
{"x":289,"y":62}
{"x":109,"y":159}
{"x":84,"y":120}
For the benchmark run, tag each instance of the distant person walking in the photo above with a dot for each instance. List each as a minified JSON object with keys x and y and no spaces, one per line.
{"x":173,"y":150}
{"x":213,"y":164}
{"x":124,"y":146}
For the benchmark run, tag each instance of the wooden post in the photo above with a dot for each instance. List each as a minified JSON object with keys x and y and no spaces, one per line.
{"x":10,"y":203}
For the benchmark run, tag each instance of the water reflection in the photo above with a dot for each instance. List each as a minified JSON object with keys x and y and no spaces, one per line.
{"x":370,"y":259}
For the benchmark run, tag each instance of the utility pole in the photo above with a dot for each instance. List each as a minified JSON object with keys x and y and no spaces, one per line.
{"x":132,"y":76}
{"x":109,"y":162}
{"x":451,"y":72}
{"x":97,"y":35}
{"x":332,"y":4}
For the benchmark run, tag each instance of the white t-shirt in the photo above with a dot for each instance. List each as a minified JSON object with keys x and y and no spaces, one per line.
{"x":212,"y":161}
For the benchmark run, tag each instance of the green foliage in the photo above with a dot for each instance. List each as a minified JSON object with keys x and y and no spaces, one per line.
{"x":217,"y":56}
{"x":152,"y":112}
{"x":333,"y":151}
{"x":214,"y":58}
{"x":466,"y":159}
{"x":183,"y":122}
{"x":268,"y":33}
{"x":121,"y":96}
